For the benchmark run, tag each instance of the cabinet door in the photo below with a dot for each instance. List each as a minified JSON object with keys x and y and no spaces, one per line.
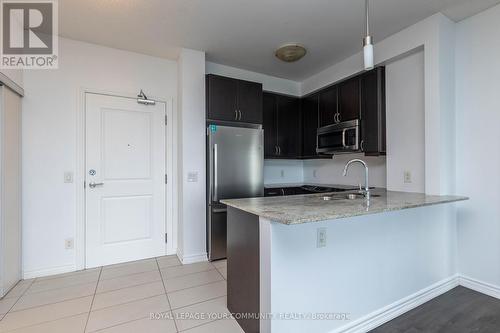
{"x":250,"y":102}
{"x":269,"y":125}
{"x":349,"y":104}
{"x":373,"y":112}
{"x":222,"y":98}
{"x":328,"y":106}
{"x":309,"y":125}
{"x":289,"y":134}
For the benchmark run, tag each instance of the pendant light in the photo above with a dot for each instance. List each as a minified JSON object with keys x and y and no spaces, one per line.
{"x":367,"y":41}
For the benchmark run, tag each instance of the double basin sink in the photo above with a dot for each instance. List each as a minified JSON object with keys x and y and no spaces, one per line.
{"x":344,"y":196}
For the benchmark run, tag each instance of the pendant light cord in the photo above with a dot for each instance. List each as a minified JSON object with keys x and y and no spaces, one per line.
{"x":367,"y":13}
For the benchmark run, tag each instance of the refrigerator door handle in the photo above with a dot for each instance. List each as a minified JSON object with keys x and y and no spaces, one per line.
{"x":216,"y":199}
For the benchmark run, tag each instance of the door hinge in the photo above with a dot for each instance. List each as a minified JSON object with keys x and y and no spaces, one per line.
{"x":166,"y":238}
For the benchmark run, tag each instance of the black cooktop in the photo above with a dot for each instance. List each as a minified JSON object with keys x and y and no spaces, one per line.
{"x":324,"y":189}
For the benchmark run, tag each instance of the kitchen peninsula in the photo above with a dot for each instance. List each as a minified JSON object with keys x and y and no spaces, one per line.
{"x":281,"y":263}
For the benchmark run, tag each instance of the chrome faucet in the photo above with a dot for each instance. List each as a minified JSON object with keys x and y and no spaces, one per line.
{"x":366,"y":191}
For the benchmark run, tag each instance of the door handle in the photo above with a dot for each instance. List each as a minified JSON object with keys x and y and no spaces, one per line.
{"x":94,"y":185}
{"x":215,"y":196}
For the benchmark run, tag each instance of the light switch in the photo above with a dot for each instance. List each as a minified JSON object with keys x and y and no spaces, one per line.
{"x":321,"y":238}
{"x":192,"y":177}
{"x":407,"y":177}
{"x":68,"y":177}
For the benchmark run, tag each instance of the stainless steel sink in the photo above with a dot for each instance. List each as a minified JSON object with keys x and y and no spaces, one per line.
{"x":349,"y":196}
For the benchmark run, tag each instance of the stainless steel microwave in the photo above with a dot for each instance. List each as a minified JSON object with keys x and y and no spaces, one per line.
{"x":338,"y":138}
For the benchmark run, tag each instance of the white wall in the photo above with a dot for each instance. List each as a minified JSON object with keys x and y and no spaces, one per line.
{"x":269,"y":83}
{"x":330,"y":171}
{"x":478,"y":156}
{"x":192,"y":136}
{"x":50,"y":111}
{"x":283,"y":172}
{"x":405,"y":110}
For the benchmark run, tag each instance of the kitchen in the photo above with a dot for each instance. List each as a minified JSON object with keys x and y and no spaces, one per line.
{"x":189,"y":169}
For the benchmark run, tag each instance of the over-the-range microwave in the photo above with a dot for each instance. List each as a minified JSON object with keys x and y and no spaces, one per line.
{"x":339,"y":138}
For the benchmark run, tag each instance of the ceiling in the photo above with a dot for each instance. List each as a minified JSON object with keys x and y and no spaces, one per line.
{"x":245,"y":33}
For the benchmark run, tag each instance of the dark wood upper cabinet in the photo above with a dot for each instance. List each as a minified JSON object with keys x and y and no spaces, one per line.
{"x":328,"y":106}
{"x":291,"y":124}
{"x":349,"y":100}
{"x":269,"y":124}
{"x":373,"y":128}
{"x":310,"y":116}
{"x":282,"y":124}
{"x":222,"y":98}
{"x":250,"y":102}
{"x":289,"y":133}
{"x":233,"y":100}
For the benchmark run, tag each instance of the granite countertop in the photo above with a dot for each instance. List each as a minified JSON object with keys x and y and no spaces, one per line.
{"x":299,"y":209}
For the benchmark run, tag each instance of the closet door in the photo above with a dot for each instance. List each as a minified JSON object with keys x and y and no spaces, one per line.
{"x":10,"y":129}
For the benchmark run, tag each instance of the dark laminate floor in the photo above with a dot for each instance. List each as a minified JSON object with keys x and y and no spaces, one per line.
{"x":460,"y":310}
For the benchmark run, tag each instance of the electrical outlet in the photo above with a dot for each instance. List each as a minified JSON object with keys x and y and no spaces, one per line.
{"x":407,"y":177}
{"x":321,"y":238}
{"x":69,"y":244}
{"x":282,"y":173}
{"x":68,"y":177}
{"x":192,"y":177}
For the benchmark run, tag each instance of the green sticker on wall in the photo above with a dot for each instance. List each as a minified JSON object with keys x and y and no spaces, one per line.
{"x":213,"y":128}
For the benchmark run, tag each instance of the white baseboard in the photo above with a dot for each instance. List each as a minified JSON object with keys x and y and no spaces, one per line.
{"x":479,"y":286}
{"x":379,"y":317}
{"x":48,"y":271}
{"x":192,"y":258}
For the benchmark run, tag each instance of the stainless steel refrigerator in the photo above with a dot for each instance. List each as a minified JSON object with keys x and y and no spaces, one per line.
{"x":235,"y":166}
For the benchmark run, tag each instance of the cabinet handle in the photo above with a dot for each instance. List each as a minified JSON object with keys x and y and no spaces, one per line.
{"x":275,"y":150}
{"x":339,"y":117}
{"x":240,"y":114}
{"x":279,"y":150}
{"x":235,"y":114}
{"x":362,"y":145}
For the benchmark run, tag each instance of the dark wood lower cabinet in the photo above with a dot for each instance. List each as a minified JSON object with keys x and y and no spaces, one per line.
{"x":243,"y":267}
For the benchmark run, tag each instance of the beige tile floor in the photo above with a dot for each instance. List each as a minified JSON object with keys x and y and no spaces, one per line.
{"x":122,"y":298}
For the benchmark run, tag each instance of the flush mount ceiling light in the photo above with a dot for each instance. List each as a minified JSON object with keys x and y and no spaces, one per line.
{"x":291,"y":52}
{"x":367,"y":41}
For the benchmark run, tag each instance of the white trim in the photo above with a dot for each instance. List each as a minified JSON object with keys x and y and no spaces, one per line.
{"x":11,"y":84}
{"x":80,"y":172}
{"x":49,"y":271}
{"x":480,"y":286}
{"x":192,"y":258}
{"x":387,"y":313}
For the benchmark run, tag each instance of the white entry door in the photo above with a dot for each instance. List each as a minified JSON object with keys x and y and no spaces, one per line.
{"x":125,"y":180}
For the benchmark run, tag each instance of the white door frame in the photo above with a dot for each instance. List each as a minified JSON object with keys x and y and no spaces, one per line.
{"x":171,"y":170}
